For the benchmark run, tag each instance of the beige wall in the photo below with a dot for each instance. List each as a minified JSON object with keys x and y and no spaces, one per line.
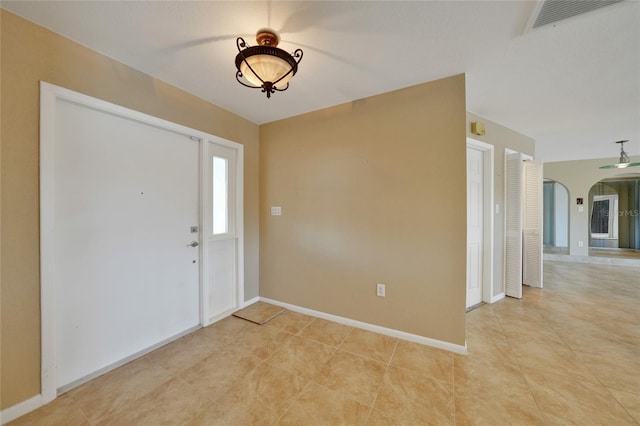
{"x":579,"y":176}
{"x":30,"y":54}
{"x":370,"y":194}
{"x":501,"y":138}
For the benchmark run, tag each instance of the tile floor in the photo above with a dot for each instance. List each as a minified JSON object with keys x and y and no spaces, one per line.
{"x":567,"y":354}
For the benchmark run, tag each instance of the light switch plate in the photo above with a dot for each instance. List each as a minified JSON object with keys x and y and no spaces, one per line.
{"x":276,"y":211}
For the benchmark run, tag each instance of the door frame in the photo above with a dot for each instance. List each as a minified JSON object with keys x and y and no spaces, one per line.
{"x":49,"y":95}
{"x":207,"y":229}
{"x":488,"y":216}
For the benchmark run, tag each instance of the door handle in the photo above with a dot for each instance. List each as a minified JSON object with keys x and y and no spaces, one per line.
{"x":193,"y":244}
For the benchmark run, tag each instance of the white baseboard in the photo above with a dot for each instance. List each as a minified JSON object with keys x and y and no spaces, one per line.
{"x":494,"y":299}
{"x":250,"y":302}
{"x":460,"y":349}
{"x":20,"y":409}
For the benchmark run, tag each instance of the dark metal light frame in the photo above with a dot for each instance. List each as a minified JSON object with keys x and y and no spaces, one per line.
{"x":268,"y":41}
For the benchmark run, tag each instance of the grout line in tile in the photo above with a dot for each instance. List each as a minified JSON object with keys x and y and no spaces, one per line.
{"x":293,"y":401}
{"x":393,"y":352}
{"x":621,"y":404}
{"x":533,"y":395}
{"x":345,"y":337}
{"x":375,"y":398}
{"x":303,"y":328}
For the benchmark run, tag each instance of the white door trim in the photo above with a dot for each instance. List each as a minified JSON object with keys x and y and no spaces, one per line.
{"x":207,"y":228}
{"x":49,"y":95}
{"x":488,"y":239}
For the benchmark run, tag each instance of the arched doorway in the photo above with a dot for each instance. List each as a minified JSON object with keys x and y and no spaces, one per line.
{"x":614,"y":216}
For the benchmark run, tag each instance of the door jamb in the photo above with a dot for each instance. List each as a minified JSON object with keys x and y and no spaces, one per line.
{"x":488,"y":216}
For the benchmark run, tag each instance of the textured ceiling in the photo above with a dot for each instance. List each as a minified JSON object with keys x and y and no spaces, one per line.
{"x":574,"y":86}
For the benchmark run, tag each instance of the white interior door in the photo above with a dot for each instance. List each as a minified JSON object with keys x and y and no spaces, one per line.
{"x":532,"y":224}
{"x":513,"y":225}
{"x":223,"y":231}
{"x":475,"y":225}
{"x":125,"y":271}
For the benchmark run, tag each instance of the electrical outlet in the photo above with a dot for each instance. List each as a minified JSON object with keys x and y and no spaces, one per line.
{"x":580,"y":244}
{"x":380,"y":290}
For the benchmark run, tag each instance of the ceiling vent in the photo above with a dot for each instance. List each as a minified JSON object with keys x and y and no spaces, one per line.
{"x":550,"y":11}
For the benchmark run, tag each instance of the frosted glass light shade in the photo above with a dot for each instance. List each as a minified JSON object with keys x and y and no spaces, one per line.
{"x":269,"y":68}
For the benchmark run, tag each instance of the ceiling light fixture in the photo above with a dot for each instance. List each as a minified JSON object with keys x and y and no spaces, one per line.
{"x":623,"y":161}
{"x":265,"y":66}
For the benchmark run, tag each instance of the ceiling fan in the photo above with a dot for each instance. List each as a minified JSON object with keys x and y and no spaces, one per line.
{"x":623,"y":161}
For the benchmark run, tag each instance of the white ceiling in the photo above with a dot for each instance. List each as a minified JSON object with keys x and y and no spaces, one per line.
{"x":573,"y":86}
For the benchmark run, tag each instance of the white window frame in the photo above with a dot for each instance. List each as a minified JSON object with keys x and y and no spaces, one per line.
{"x":612,"y":215}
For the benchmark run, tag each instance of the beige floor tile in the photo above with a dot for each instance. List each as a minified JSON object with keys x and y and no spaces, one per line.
{"x":352,"y":375}
{"x":470,"y":371}
{"x":173,"y":403}
{"x":433,"y":362}
{"x":494,"y":347}
{"x":236,"y":413}
{"x":489,"y":326}
{"x":303,"y":357}
{"x":550,"y":355}
{"x":213,"y":375}
{"x":371,"y":345}
{"x":327,"y":332}
{"x":318,"y":406}
{"x":106,"y":394}
{"x":630,"y":401}
{"x":410,"y":398}
{"x":626,"y":332}
{"x":261,"y":398}
{"x":524,"y":329}
{"x":510,"y":308}
{"x":576,"y":401}
{"x":62,"y":411}
{"x":491,"y":392}
{"x":182,"y":353}
{"x":227,"y":330}
{"x":593,"y":338}
{"x":552,"y":420}
{"x":291,"y":322}
{"x":614,"y":373}
{"x":261,"y":341}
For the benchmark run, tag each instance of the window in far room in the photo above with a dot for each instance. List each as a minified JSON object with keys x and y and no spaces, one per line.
{"x":604,"y":217}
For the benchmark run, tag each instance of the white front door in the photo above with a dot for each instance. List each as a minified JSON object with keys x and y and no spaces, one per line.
{"x":126,"y":267}
{"x":475,"y":225}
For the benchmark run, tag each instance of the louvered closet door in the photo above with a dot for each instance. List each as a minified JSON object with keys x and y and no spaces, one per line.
{"x":532,"y":224}
{"x":513,"y":227}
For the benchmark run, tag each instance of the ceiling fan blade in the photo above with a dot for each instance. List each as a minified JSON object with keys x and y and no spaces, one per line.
{"x":309,"y":14}
{"x":330,"y":55}
{"x":205,"y":40}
